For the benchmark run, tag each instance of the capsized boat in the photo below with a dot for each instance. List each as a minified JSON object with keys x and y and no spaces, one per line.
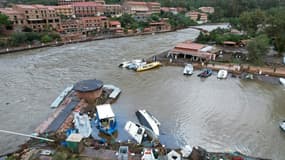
{"x":82,"y":124}
{"x":141,"y":134}
{"x":222,"y":74}
{"x":188,"y":69}
{"x":282,"y":125}
{"x":282,"y":81}
{"x":148,"y":66}
{"x":105,"y":119}
{"x":205,"y":73}
{"x":148,"y":120}
{"x":60,"y":98}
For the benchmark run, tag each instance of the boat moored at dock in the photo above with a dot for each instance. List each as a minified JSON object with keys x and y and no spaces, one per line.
{"x":148,"y":120}
{"x":188,"y":69}
{"x":222,"y":74}
{"x":205,"y":73}
{"x":105,"y":119}
{"x":148,"y":66}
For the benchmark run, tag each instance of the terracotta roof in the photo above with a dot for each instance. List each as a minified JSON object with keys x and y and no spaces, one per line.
{"x":8,"y":11}
{"x":136,"y":3}
{"x":86,"y":4}
{"x":193,"y":53}
{"x":40,"y":6}
{"x":25,"y":6}
{"x":115,"y":23}
{"x":189,"y":46}
{"x":230,"y":42}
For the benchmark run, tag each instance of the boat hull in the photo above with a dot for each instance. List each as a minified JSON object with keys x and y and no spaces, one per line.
{"x":188,"y":70}
{"x":282,"y":126}
{"x":282,"y":81}
{"x":146,"y":120}
{"x":148,"y":66}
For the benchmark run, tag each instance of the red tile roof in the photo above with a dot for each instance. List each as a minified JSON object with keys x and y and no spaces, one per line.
{"x":8,"y":11}
{"x":136,"y":3}
{"x":25,"y":6}
{"x":193,"y":53}
{"x":86,"y":4}
{"x":189,"y":46}
{"x":115,"y":23}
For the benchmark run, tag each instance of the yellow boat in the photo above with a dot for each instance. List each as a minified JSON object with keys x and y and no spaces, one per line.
{"x":148,"y":66}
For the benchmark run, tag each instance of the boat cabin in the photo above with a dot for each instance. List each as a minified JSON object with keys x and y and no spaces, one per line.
{"x":106,"y":118}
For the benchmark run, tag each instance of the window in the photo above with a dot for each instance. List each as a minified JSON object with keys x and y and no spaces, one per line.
{"x":27,"y":12}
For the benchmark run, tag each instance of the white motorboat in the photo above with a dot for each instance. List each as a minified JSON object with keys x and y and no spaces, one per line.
{"x":188,"y":69}
{"x":282,"y":125}
{"x":140,"y":134}
{"x":282,"y":81}
{"x":132,"y":63}
{"x":222,"y":74}
{"x":148,"y":120}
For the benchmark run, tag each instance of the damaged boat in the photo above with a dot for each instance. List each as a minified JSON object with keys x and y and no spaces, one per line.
{"x":105,"y":119}
{"x":142,"y":135}
{"x":148,"y":120}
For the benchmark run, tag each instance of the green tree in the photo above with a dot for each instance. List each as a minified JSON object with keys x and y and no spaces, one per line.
{"x":251,"y":22}
{"x":4,"y":23}
{"x":257,"y":48}
{"x":18,"y":39}
{"x":276,"y":28}
{"x":46,"y":38}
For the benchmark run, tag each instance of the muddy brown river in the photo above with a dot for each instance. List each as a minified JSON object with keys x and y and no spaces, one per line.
{"x":220,"y":115}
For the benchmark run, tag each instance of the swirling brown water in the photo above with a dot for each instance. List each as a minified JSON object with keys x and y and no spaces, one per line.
{"x":220,"y":115}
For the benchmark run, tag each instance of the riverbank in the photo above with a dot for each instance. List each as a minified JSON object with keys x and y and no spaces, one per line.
{"x":237,"y":70}
{"x":81,"y":40}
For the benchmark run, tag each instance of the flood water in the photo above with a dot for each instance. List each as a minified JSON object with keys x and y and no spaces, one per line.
{"x":220,"y":115}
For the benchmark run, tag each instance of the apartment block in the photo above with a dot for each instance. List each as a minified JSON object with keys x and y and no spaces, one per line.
{"x":141,"y":10}
{"x":39,"y":17}
{"x":88,"y":9}
{"x":64,"y":10}
{"x":113,"y":10}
